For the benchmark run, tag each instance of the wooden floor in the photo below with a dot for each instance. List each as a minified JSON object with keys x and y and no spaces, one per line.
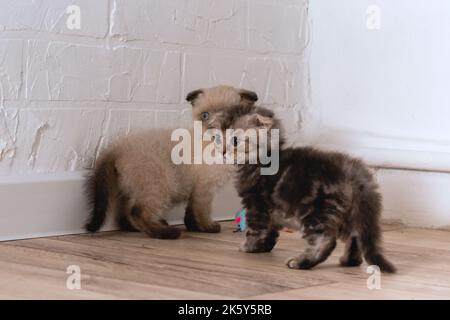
{"x":117,"y":265}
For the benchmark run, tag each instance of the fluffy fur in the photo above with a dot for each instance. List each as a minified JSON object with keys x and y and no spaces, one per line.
{"x":136,"y":179}
{"x":326,"y":195}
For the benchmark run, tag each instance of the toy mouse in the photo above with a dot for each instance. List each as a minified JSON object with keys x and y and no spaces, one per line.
{"x":241,"y":223}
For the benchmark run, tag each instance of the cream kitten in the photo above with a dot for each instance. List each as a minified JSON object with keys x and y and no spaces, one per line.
{"x":136,"y":176}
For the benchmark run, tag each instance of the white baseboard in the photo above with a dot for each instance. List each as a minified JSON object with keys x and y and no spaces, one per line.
{"x":416,"y":198}
{"x":54,"y":204}
{"x":382,"y":151}
{"x":48,"y":205}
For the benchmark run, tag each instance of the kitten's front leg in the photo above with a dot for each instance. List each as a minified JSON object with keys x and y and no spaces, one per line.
{"x":260,"y":236}
{"x":320,"y":246}
{"x":259,"y":240}
{"x":198,"y":212}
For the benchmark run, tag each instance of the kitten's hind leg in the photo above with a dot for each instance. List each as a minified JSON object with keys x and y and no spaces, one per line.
{"x":123,"y":211}
{"x":125,"y":225}
{"x":369,"y":230}
{"x":320,"y":246}
{"x":352,"y":255}
{"x":145,"y":220}
{"x":370,"y":245}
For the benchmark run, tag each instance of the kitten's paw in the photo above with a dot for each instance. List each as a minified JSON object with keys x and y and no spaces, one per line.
{"x":252,"y":247}
{"x":350,"y":262}
{"x":192,"y":225}
{"x":164,"y":233}
{"x":244,"y":248}
{"x":213,"y":227}
{"x":301,"y":262}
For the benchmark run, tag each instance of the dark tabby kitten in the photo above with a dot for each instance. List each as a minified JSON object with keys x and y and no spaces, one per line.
{"x":326,"y":195}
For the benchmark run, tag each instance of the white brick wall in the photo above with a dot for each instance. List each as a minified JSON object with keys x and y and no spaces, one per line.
{"x":65,"y":93}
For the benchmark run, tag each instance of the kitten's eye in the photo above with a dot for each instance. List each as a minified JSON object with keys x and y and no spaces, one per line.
{"x":205,"y":115}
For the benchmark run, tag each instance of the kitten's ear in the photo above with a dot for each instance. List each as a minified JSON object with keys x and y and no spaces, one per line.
{"x":193,"y":95}
{"x":248,"y":96}
{"x":263,"y":121}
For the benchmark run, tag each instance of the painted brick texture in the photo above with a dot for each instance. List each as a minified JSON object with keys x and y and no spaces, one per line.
{"x":65,"y":93}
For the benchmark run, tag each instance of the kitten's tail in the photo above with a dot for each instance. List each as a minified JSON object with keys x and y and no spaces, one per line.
{"x":99,"y":185}
{"x":369,"y":211}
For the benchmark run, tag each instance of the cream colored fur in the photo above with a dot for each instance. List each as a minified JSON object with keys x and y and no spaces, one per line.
{"x":149,"y":182}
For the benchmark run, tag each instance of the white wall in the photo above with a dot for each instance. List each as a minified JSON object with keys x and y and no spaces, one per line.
{"x":65,"y":93}
{"x":382,"y":92}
